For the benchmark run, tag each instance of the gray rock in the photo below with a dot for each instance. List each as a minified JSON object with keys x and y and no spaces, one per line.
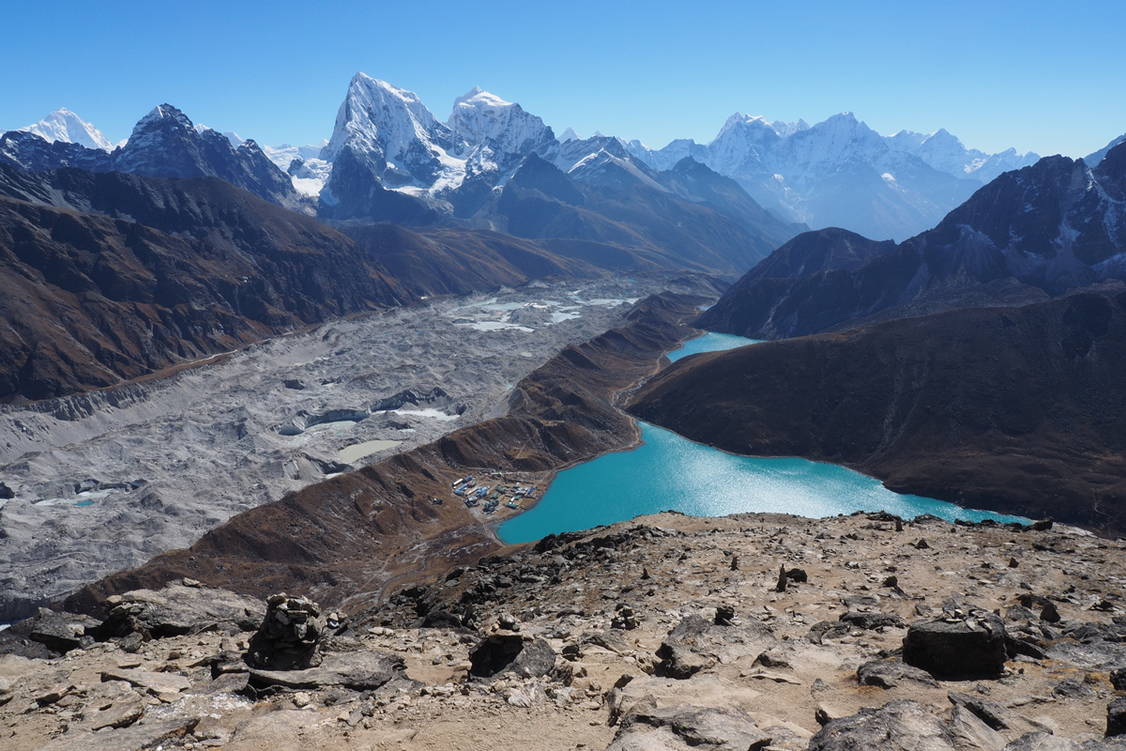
{"x":59,"y":632}
{"x":896,"y":726}
{"x":679,"y":655}
{"x":181,"y":607}
{"x":1040,"y":741}
{"x":990,"y":712}
{"x":359,"y":671}
{"x":686,"y":728}
{"x":958,"y":648}
{"x":890,"y":673}
{"x":161,"y":685}
{"x":143,"y":735}
{"x":971,"y":734}
{"x":871,"y":621}
{"x":511,"y":653}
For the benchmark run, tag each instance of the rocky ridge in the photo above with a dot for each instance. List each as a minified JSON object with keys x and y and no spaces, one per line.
{"x":668,"y":632}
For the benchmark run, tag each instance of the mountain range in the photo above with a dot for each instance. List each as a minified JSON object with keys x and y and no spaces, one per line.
{"x":838,"y":172}
{"x":418,"y":206}
{"x":1029,"y":234}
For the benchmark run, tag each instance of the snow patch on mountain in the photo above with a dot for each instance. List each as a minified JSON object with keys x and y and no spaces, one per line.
{"x":64,"y":125}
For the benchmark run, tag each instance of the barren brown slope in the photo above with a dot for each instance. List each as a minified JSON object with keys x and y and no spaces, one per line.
{"x":356,"y":533}
{"x":1020,"y":410}
{"x":87,"y":300}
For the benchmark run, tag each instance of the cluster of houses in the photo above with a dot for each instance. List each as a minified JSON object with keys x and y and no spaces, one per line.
{"x":489,"y":497}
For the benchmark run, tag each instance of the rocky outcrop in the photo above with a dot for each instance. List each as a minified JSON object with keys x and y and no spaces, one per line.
{"x":684,"y":728}
{"x":290,"y":635}
{"x":964,"y":647}
{"x":522,"y":648}
{"x":180,"y":607}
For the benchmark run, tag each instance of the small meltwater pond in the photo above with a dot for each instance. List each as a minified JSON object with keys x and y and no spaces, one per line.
{"x":670,"y":472}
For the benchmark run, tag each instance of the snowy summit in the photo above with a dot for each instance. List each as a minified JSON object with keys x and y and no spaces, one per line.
{"x":64,"y":125}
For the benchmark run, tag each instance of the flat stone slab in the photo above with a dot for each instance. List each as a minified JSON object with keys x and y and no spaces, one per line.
{"x":359,"y":671}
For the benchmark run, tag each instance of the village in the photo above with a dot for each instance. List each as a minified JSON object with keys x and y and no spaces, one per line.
{"x":512,"y":492}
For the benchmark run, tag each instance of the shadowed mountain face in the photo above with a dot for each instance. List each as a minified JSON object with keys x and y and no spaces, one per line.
{"x":1021,"y":410}
{"x":609,"y":203}
{"x":91,"y":298}
{"x":1029,"y":234}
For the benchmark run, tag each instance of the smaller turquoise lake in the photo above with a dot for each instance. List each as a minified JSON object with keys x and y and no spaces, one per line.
{"x":670,"y":472}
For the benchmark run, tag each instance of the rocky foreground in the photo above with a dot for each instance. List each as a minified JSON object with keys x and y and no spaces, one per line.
{"x":669,"y":632}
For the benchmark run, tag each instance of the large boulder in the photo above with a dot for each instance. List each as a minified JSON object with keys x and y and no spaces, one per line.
{"x":890,"y":673}
{"x":181,"y":607}
{"x":686,"y":728}
{"x":958,"y":648}
{"x":511,"y":653}
{"x":896,"y":726}
{"x":58,"y":631}
{"x":290,"y":635}
{"x":680,"y":654}
{"x":1116,"y":717}
{"x":358,"y":671}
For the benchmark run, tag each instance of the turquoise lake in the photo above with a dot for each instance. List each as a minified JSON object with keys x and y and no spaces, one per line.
{"x":669,"y":472}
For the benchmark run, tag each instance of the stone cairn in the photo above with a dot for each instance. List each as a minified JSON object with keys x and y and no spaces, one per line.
{"x":289,"y":636}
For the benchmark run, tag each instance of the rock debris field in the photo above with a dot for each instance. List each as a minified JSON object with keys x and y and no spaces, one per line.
{"x":668,"y":633}
{"x":103,"y":481}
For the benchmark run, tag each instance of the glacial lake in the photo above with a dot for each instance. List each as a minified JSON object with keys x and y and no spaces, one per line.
{"x":670,"y":472}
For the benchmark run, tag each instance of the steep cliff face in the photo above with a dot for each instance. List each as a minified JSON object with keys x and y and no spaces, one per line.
{"x":1013,"y":409}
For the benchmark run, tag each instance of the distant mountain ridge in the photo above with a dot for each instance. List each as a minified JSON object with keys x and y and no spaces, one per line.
{"x":837,"y":172}
{"x":842,"y":173}
{"x":164,"y":143}
{"x":1029,"y":234}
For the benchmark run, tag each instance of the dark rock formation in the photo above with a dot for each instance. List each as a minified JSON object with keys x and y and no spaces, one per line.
{"x":289,"y":636}
{"x":679,"y":653}
{"x":889,"y":673}
{"x":1116,"y":717}
{"x":511,"y":653}
{"x":962,"y":648}
{"x":59,"y":632}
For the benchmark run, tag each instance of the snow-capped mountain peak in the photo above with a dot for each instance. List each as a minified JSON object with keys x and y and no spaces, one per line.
{"x":481,"y":117}
{"x":64,"y":125}
{"x":392,"y":132}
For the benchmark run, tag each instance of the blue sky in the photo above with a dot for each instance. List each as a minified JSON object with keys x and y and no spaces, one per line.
{"x":1047,"y":77}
